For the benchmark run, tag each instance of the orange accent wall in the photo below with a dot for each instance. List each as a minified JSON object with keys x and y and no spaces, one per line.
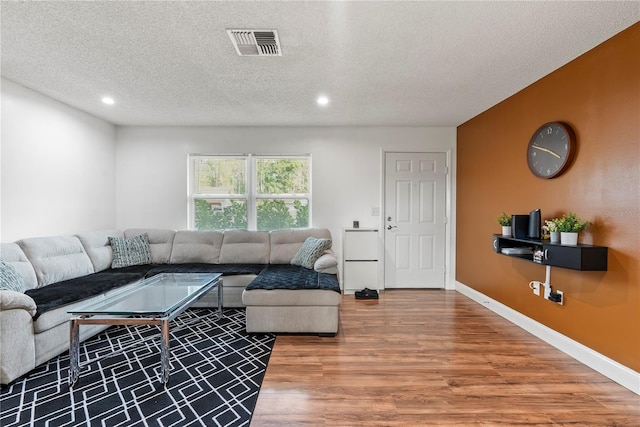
{"x":598,"y":94}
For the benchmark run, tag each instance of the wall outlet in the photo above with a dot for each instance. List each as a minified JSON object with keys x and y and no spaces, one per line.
{"x":536,"y":288}
{"x":557,"y":297}
{"x":375,"y":211}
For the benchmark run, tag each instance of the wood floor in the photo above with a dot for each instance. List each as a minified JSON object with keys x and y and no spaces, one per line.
{"x":432,"y":357}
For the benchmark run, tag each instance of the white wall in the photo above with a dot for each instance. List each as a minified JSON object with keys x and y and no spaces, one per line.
{"x":64,"y":171}
{"x":151,"y":164}
{"x":58,"y":166}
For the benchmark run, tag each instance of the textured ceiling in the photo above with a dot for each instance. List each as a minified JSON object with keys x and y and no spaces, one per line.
{"x":380,"y":63}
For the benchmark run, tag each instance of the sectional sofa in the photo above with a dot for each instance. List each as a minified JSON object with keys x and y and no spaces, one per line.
{"x":62,"y":272}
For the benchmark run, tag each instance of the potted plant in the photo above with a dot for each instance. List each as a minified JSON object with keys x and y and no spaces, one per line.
{"x":569,"y":226}
{"x":505,"y":221}
{"x":551,"y":226}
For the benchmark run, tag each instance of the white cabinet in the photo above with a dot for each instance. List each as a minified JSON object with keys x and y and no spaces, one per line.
{"x":360,"y":255}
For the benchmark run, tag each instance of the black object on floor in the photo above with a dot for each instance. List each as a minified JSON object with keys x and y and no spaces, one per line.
{"x":217,"y":371}
{"x":367,"y":293}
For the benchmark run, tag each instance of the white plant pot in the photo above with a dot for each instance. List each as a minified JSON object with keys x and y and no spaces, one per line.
{"x":554,"y":236}
{"x":569,"y":239}
{"x":506,"y":230}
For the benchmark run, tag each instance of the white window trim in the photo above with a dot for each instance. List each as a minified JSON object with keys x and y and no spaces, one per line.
{"x":251,"y":195}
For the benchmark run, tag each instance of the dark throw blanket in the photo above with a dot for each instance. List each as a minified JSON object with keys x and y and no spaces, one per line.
{"x":286,"y":276}
{"x":69,"y":291}
{"x":275,"y":276}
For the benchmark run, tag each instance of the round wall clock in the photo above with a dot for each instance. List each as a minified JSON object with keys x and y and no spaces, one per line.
{"x":551,"y":149}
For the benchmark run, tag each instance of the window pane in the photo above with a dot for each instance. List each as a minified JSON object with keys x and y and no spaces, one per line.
{"x":274,"y":214}
{"x":220,"y":214}
{"x":220,"y":176}
{"x":282,"y":176}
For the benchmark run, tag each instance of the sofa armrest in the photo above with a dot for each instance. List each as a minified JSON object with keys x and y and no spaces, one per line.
{"x":10,"y":300}
{"x":17,"y":341}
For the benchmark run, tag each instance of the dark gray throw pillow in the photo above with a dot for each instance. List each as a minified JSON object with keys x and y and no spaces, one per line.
{"x":310,"y":251}
{"x":130,"y":250}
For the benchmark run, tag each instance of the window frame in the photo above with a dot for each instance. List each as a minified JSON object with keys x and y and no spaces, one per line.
{"x":251,"y":196}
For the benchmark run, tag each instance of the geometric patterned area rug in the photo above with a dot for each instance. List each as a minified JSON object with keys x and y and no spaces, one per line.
{"x":216,"y":373}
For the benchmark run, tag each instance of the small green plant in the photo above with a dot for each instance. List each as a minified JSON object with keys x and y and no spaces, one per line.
{"x":570,"y":223}
{"x":504,"y":220}
{"x":551,"y":225}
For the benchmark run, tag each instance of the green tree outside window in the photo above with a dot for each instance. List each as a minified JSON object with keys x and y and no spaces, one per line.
{"x":281,"y":191}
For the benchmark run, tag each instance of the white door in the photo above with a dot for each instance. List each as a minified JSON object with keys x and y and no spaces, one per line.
{"x":415,"y":222}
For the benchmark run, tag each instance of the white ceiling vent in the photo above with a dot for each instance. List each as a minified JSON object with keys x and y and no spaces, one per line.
{"x":255,"y":42}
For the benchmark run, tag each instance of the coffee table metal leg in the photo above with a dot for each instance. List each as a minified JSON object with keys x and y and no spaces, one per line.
{"x":164,"y":351}
{"x":220,"y":297}
{"x":74,"y":351}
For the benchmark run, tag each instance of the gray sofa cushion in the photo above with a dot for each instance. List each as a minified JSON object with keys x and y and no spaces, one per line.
{"x":96,"y":245}
{"x":196,"y":246}
{"x":55,"y":259}
{"x":286,"y":243}
{"x":245,"y":247}
{"x":12,"y":254}
{"x":58,"y":317}
{"x":160,"y":241}
{"x":283,"y":298}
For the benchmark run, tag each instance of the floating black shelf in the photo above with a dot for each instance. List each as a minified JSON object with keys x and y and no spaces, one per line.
{"x":543,"y":252}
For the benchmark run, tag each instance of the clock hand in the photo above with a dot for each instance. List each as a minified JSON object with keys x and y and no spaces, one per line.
{"x":546,"y":150}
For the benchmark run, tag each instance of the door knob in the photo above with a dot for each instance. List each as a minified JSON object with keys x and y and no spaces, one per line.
{"x":389,"y":227}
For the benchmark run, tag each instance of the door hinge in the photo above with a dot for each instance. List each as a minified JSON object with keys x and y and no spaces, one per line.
{"x":446,"y":170}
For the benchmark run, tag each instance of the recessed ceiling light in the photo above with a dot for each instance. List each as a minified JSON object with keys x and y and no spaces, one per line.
{"x":108,"y":100}
{"x":322,"y":100}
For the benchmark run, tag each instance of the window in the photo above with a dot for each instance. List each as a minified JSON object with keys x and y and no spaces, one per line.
{"x":249,"y":192}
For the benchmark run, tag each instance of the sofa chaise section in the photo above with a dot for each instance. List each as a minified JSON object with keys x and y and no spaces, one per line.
{"x":292,"y":299}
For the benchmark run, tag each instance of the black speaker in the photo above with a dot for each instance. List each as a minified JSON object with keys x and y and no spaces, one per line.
{"x":535,"y":217}
{"x":520,"y":226}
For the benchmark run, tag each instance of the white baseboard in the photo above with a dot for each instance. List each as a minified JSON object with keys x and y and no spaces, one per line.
{"x":613,"y":370}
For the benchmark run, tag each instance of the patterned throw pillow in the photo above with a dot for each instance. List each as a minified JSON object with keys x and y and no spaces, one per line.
{"x":130,"y":251}
{"x":10,"y":279}
{"x":310,"y":251}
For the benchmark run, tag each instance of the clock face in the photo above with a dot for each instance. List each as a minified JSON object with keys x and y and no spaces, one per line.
{"x":550,"y":149}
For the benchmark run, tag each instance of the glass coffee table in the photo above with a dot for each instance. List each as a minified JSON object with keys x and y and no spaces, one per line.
{"x":153,"y":301}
